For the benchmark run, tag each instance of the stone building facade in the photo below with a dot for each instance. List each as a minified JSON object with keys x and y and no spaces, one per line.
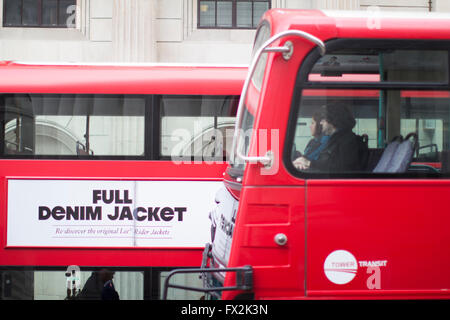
{"x":167,"y":31}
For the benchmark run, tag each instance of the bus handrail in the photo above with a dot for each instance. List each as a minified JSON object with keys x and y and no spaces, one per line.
{"x":244,"y":280}
{"x":267,"y":159}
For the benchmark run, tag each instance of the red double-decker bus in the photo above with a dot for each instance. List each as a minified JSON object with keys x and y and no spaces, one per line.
{"x":108,"y":167}
{"x":367,"y":216}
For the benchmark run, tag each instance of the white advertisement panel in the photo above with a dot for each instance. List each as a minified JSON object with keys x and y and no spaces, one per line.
{"x":104,"y":213}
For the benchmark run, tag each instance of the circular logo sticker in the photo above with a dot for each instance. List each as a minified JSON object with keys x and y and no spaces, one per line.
{"x":340,"y":267}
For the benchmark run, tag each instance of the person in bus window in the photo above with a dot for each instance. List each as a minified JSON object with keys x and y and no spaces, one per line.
{"x":317,"y":143}
{"x":99,"y":286}
{"x":341,"y":153}
{"x":319,"y":140}
{"x":108,"y":291}
{"x":92,"y":289}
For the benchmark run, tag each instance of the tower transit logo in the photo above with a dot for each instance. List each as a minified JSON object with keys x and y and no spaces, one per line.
{"x":340,"y":267}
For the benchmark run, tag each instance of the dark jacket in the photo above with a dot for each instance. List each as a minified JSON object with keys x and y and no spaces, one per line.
{"x":341,"y":154}
{"x":109,"y":292}
{"x":92,"y":289}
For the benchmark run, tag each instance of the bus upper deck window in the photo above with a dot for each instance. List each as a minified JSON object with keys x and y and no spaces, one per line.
{"x":397,"y":93}
{"x":386,"y":118}
{"x":201,"y":127}
{"x":54,"y":125}
{"x":430,"y":66}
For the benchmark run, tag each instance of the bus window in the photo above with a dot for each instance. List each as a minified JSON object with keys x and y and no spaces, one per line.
{"x":250,"y":103}
{"x":383,"y":115}
{"x":191,"y":280}
{"x":371,"y":65}
{"x":30,"y":283}
{"x":73,"y":125}
{"x":375,"y":84}
{"x":197,"y":126}
{"x":243,"y":144}
{"x":363,"y":108}
{"x":262,"y":35}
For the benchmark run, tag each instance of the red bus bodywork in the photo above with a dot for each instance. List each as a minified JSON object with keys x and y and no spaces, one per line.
{"x":108,"y":79}
{"x":396,"y":229}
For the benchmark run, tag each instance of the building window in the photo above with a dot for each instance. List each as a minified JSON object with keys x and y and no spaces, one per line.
{"x":243,"y":14}
{"x":39,"y":13}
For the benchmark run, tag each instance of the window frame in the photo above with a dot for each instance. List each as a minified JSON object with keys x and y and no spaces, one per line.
{"x":39,"y":16}
{"x":233,"y":14}
{"x":302,"y":83}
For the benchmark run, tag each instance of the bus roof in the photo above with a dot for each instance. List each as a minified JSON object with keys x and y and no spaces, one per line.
{"x":121,"y":78}
{"x":375,"y":24}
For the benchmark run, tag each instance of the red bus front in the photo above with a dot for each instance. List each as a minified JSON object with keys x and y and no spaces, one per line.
{"x":377,"y":230}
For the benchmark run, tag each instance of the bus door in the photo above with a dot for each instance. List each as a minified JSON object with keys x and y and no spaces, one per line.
{"x":380,"y":227}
